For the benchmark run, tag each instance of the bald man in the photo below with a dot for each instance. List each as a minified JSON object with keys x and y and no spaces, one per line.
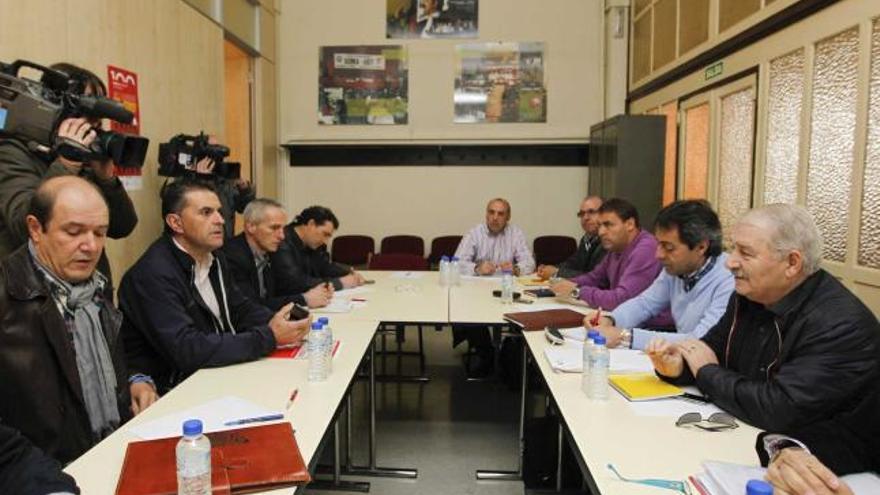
{"x":65,"y":384}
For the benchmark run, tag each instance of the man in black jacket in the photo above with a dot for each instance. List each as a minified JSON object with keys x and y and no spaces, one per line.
{"x":589,"y":251}
{"x":25,"y":470}
{"x":795,"y":348}
{"x":65,"y":381}
{"x":248,"y":257}
{"x":182,"y":309}
{"x":300,"y":264}
{"x":23,"y":167}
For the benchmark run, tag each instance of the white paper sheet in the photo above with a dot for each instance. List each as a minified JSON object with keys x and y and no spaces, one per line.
{"x":671,"y":408}
{"x":569,"y":358}
{"x":213,"y":414}
{"x":408,"y":275}
{"x":725,"y":478}
{"x":346,"y":293}
{"x":337,"y":305}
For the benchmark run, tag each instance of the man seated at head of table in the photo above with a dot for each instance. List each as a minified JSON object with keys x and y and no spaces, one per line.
{"x":794,"y":347}
{"x":628,"y":268}
{"x":182,"y":310}
{"x":302,"y":263}
{"x":496,"y":245}
{"x":65,"y":382}
{"x":248,"y":256}
{"x":589,"y":251}
{"x":695,"y":283}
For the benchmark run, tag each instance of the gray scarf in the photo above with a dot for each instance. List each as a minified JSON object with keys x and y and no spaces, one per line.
{"x":80,"y":304}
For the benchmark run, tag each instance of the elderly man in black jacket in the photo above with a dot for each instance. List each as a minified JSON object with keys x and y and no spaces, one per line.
{"x":795,"y":347}
{"x":64,"y":381}
{"x":182,"y":309}
{"x":589,"y":251}
{"x":25,"y":470}
{"x":23,"y":166}
{"x":248,"y":257}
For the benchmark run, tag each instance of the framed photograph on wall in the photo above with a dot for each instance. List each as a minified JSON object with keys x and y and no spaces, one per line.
{"x":431,"y":19}
{"x":363,"y":85}
{"x":500,"y":82}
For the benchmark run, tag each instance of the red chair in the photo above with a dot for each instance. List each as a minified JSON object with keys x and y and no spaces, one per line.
{"x":443,"y":246}
{"x":553,"y":249}
{"x":353,"y":250}
{"x":398,"y":261}
{"x":403,"y":244}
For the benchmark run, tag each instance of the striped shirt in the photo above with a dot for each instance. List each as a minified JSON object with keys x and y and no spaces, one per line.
{"x":480,"y":245}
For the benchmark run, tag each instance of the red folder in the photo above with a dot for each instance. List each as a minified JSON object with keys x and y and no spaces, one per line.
{"x":244,"y":460}
{"x":538,"y":320}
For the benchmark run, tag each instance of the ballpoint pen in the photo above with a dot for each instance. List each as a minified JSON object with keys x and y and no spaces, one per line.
{"x":595,"y":320}
{"x":292,"y":398}
{"x":256,"y":419}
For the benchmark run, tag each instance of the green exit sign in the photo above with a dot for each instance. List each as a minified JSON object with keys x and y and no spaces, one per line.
{"x":714,"y":70}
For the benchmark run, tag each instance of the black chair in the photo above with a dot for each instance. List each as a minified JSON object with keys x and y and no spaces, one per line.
{"x":409,"y":244}
{"x":352,"y":250}
{"x":553,"y":249}
{"x":443,"y":246}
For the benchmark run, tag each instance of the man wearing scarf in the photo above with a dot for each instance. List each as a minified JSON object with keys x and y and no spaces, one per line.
{"x":60,"y":354}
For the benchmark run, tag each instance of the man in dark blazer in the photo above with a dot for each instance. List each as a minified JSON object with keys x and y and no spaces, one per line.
{"x":248,"y":257}
{"x":589,"y":251}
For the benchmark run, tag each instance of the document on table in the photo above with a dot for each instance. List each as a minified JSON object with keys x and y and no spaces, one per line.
{"x":337,"y":305}
{"x":671,"y":408}
{"x":212,"y":414}
{"x":408,"y":275}
{"x":569,"y":359}
{"x":346,"y":293}
{"x":725,"y":478}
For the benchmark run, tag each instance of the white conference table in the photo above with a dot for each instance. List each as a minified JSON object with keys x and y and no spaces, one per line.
{"x":602,"y":432}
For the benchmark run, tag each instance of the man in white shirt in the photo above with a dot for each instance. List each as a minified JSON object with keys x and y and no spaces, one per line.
{"x":495,"y":245}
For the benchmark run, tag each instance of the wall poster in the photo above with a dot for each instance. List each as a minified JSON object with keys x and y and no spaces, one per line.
{"x":363,"y":85}
{"x":500,"y":82}
{"x":431,"y":19}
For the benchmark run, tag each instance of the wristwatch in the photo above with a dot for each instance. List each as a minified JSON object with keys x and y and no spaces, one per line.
{"x":626,"y":338}
{"x":576,"y":293}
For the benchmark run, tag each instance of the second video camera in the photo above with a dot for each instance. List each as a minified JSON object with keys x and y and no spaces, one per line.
{"x":181,"y":153}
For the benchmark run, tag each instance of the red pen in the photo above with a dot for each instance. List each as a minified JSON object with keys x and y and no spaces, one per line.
{"x":595,"y":320}
{"x":357,"y":299}
{"x":292,"y":398}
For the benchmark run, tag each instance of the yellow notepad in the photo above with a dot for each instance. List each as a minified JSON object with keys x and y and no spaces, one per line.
{"x":643,"y":386}
{"x":531,"y":281}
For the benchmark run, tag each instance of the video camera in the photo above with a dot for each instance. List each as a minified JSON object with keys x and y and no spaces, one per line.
{"x":180,"y":154}
{"x":31,"y":111}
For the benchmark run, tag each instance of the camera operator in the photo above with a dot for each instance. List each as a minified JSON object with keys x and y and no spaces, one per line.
{"x":22,"y":169}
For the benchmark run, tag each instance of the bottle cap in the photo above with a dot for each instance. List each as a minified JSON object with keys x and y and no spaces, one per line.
{"x":192,"y":427}
{"x":592,"y":334}
{"x":507,"y":272}
{"x":600,"y":340}
{"x":444,"y":258}
{"x":324,"y":320}
{"x":454,"y":258}
{"x":758,"y":487}
{"x":316,"y":325}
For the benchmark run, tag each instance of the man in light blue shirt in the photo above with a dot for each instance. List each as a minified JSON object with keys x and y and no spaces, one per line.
{"x":694,"y":283}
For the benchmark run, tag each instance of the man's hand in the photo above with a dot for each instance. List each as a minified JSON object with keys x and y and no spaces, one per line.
{"x":143,"y":395}
{"x":612,"y":334}
{"x":319,"y":296}
{"x":288,"y":332}
{"x":563,"y":288}
{"x":544,"y":272}
{"x":79,"y":131}
{"x":205,"y":166}
{"x":507,"y":265}
{"x":794,"y":471}
{"x":485,"y":268}
{"x":697,"y":354}
{"x":353,"y":279}
{"x":665,"y":357}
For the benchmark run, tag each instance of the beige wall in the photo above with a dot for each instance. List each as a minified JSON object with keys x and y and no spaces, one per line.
{"x":176,"y":52}
{"x":433,"y":201}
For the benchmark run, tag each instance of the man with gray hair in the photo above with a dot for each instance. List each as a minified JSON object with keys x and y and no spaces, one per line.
{"x":248,"y":257}
{"x":794,"y":350}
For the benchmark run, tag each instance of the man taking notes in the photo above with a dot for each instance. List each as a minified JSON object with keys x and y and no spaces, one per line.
{"x":694,"y":282}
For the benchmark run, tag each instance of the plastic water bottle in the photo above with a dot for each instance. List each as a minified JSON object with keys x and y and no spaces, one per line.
{"x":317,"y":355}
{"x":599,"y":370}
{"x":454,"y":271}
{"x":445,"y":275}
{"x":507,"y":287}
{"x":587,"y":355}
{"x":328,"y":342}
{"x":758,"y":487}
{"x":193,"y":460}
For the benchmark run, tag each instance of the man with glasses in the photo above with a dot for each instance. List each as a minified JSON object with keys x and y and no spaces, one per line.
{"x":589,"y":252}
{"x":795,"y":349}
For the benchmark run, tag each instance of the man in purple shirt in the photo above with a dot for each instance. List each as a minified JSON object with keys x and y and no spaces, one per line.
{"x":628,"y":269}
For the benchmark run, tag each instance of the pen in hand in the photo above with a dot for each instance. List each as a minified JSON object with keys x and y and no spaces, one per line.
{"x":292,"y":398}
{"x":596,"y":318}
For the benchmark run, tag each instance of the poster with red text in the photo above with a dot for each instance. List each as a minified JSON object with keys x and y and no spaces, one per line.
{"x":123,"y":87}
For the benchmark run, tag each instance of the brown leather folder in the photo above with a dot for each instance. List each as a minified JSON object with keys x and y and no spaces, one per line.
{"x":244,"y":460}
{"x":537,"y":320}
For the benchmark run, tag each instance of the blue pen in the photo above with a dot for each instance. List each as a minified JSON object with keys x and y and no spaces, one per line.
{"x":258,"y":419}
